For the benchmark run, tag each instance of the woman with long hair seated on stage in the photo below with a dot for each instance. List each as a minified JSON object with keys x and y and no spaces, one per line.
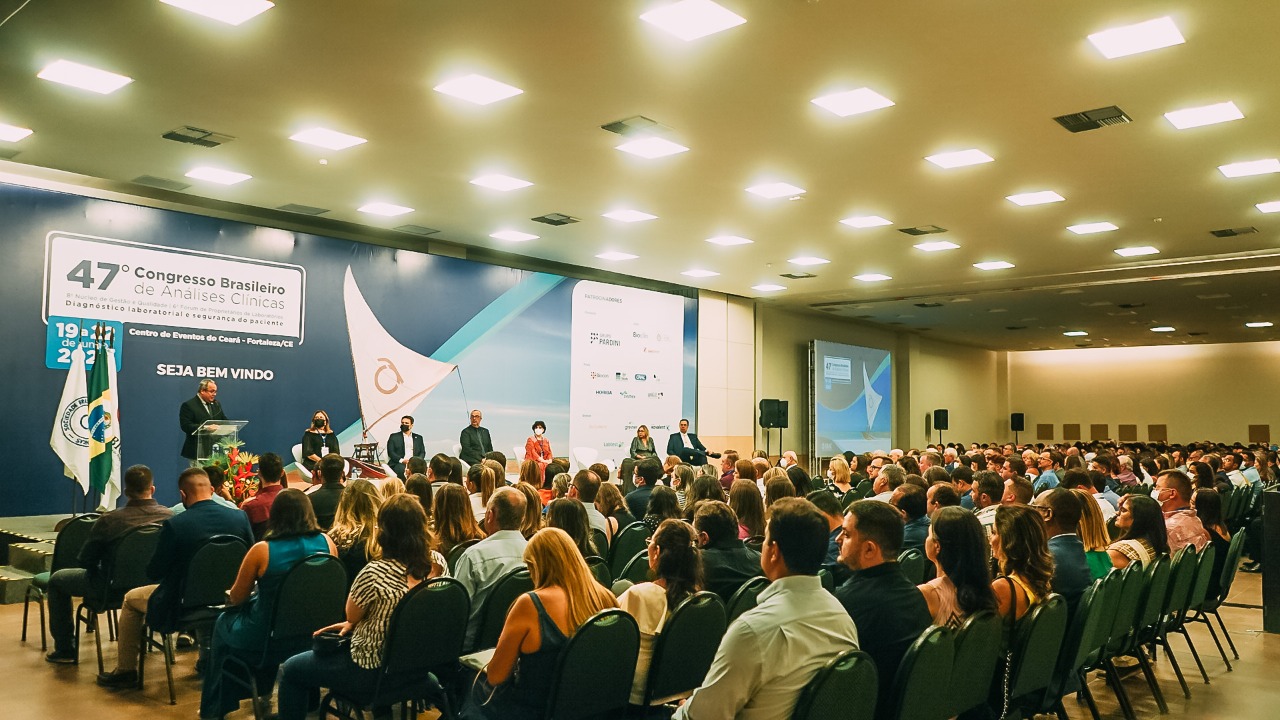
{"x":292,"y":536}
{"x":455,"y":522}
{"x":318,"y":440}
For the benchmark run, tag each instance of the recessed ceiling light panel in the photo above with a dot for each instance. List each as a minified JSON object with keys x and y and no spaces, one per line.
{"x":1207,"y":115}
{"x":768,"y":287}
{"x":478,"y":89}
{"x":629,"y":216}
{"x":960,"y":158}
{"x":1035,"y":198}
{"x":728,"y":240}
{"x":692,"y":19}
{"x":384,"y":209}
{"x":13,"y":133}
{"x":936,"y":246}
{"x":1137,"y":38}
{"x":217,"y":175}
{"x":866,"y":221}
{"x":1269,"y":207}
{"x":872,"y":277}
{"x":1252,"y":167}
{"x":615,"y":255}
{"x":775,"y":190}
{"x":852,"y":102}
{"x":513,"y":236}
{"x":808,"y":260}
{"x":1136,"y":251}
{"x":1075,"y":333}
{"x":699,"y":273}
{"x":83,"y":77}
{"x":1163,"y":329}
{"x":1091,"y":228}
{"x":231,"y":12}
{"x":1258,"y":324}
{"x":326,"y":138}
{"x":652,"y":147}
{"x":505,"y":183}
{"x":993,"y":265}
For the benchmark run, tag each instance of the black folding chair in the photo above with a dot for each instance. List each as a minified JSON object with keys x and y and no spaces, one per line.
{"x":600,"y":569}
{"x":456,"y":552}
{"x":601,"y":541}
{"x":424,"y":636}
{"x":66,"y":548}
{"x":212,"y":570}
{"x":911,"y":563}
{"x":494,"y":607}
{"x":745,"y":597}
{"x":683,"y":651}
{"x":915,"y":686}
{"x":1211,"y":605}
{"x":603,"y":649}
{"x":637,"y":569}
{"x":126,"y":569}
{"x":626,"y":543}
{"x":1036,"y":642}
{"x":755,"y":542}
{"x":846,"y":688}
{"x":977,"y":655}
{"x":1195,"y":600}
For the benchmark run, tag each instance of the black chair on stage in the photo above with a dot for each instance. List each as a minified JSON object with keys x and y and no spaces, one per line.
{"x":746,"y":596}
{"x":66,"y":548}
{"x":126,"y":569}
{"x":603,"y":649}
{"x":494,"y":607}
{"x":846,"y":688}
{"x":683,"y":651}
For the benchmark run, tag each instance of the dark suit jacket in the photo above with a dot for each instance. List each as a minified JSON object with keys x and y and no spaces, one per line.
{"x":475,"y":443}
{"x":727,"y":565}
{"x":890,"y":613}
{"x":191,"y":416}
{"x":1071,"y":574}
{"x":180,"y":537}
{"x":697,"y":455}
{"x":324,"y":502}
{"x":638,"y":501}
{"x":395,"y":451}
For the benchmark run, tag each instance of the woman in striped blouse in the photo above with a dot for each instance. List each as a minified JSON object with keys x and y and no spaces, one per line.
{"x":404,"y":559}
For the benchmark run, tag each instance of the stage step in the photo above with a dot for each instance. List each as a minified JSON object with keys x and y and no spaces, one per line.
{"x":13,"y":584}
{"x":34,"y":557}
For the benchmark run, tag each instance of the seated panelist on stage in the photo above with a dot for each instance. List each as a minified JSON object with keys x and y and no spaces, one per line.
{"x":318,"y":440}
{"x":475,"y":440}
{"x":687,"y":446}
{"x":403,"y":445}
{"x":642,"y":445}
{"x":197,"y":411}
{"x":537,"y":448}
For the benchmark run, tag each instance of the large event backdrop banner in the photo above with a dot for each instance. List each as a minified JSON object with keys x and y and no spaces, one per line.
{"x":289,"y":323}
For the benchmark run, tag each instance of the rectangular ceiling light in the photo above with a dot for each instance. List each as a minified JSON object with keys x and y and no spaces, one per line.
{"x":772,"y":287}
{"x":936,"y":246}
{"x":478,"y":89}
{"x":960,"y":158}
{"x":993,"y":265}
{"x":513,"y":236}
{"x":808,"y":260}
{"x":728,"y":240}
{"x":696,"y":273}
{"x":865,"y":221}
{"x":629,"y":216}
{"x":216,"y":175}
{"x":692,"y":19}
{"x":775,"y":190}
{"x":614,"y":255}
{"x":83,"y":77}
{"x":1137,"y":38}
{"x":505,"y":183}
{"x":1035,"y":198}
{"x":1269,"y":207}
{"x":1075,"y":333}
{"x":1136,"y":251}
{"x":1252,"y":167}
{"x":326,"y":138}
{"x":1207,"y":115}
{"x":385,"y":209}
{"x":1257,"y":324}
{"x":872,"y":277}
{"x":652,"y":147}
{"x":1091,"y":228}
{"x":1163,"y":328}
{"x":852,"y":102}
{"x":231,"y":12}
{"x":13,"y":133}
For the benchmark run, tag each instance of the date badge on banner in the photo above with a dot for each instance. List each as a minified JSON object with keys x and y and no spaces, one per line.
{"x":65,"y":334}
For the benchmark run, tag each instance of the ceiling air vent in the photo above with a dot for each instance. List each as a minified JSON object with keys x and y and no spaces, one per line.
{"x":1093,"y":119}
{"x":1232,"y":232}
{"x":798,"y":276}
{"x":556,"y":219}
{"x":162,"y":183}
{"x":1131,"y":306}
{"x":1015,"y":327}
{"x":923,"y":230}
{"x":197,"y":136}
{"x":929,"y":305}
{"x":417,"y":229}
{"x":302,"y":209}
{"x":1197,"y":334}
{"x":635,"y":125}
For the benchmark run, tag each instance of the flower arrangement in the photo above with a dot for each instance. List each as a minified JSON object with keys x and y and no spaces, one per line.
{"x":242,"y":478}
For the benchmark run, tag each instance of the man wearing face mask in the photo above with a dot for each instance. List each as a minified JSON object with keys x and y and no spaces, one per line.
{"x":403,"y":445}
{"x":1173,"y":492}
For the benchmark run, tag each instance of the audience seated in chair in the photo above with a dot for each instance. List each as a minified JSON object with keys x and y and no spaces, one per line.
{"x":1060,"y":509}
{"x":325,"y":499}
{"x":1173,"y":492}
{"x":1020,"y":548}
{"x":482,"y":564}
{"x":258,"y":507}
{"x":726,"y":562}
{"x":354,"y":524}
{"x":957,"y":546}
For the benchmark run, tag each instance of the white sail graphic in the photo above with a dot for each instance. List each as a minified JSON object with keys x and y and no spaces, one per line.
{"x":873,"y":398}
{"x":391,"y":379}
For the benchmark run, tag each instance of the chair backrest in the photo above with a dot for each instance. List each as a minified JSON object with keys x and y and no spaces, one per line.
{"x":1234,"y":551}
{"x":846,"y":688}
{"x":1084,"y":636}
{"x":626,"y":543}
{"x":312,"y":595}
{"x":71,"y":538}
{"x":494,"y":607}
{"x":601,"y":540}
{"x":915,"y":686}
{"x":1036,"y":642}
{"x":1157,"y":590}
{"x":603,"y":650}
{"x":600,"y":569}
{"x":212,"y":570}
{"x":1204,"y":575}
{"x":1184,"y":576}
{"x":827,"y":579}
{"x":130,"y":558}
{"x":744,"y":598}
{"x":427,"y":628}
{"x":637,"y":569}
{"x":1133,"y":580}
{"x":977,"y":655}
{"x":683,"y":651}
{"x":911,"y":563}
{"x":456,"y":552}
{"x":755,"y":542}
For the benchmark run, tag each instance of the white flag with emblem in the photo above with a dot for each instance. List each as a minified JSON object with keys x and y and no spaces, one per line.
{"x":391,"y":379}
{"x":70,"y":438}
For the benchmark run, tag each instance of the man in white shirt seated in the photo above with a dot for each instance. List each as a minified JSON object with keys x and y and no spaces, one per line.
{"x":889,"y":479}
{"x":771,"y":652}
{"x":584,"y":488}
{"x":483,"y":564}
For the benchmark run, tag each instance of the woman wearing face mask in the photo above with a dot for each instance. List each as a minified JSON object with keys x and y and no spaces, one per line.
{"x":319,"y":440}
{"x":537,"y":448}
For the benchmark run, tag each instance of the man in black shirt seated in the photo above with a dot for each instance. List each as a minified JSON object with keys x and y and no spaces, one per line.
{"x":726,"y":562}
{"x":324,"y":500}
{"x":888,"y":610}
{"x":829,"y":506}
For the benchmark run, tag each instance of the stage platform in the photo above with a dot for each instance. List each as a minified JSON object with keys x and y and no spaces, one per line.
{"x":26,"y":548}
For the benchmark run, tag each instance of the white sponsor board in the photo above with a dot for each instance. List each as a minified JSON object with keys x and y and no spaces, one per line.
{"x":626,"y":367}
{"x":133,"y":282}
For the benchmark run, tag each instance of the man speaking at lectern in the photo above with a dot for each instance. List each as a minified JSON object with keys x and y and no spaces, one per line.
{"x":196,"y":412}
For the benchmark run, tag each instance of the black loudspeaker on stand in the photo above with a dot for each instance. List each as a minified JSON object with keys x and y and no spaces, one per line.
{"x":941,"y":422}
{"x":773,"y":414}
{"x":1017,"y":423}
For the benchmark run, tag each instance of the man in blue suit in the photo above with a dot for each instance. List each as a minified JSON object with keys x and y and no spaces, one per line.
{"x":180,"y":537}
{"x":1061,"y":512}
{"x":687,"y":446}
{"x":403,"y":445}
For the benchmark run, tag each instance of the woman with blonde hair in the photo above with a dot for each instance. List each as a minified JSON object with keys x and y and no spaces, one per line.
{"x":482,"y":480}
{"x":1093,"y":533}
{"x":455,"y":523}
{"x":392,"y":487}
{"x":839,"y":479}
{"x":681,"y":482}
{"x":1020,"y":546}
{"x":355,"y":523}
{"x":532,"y":522}
{"x":515,"y":683}
{"x":531,"y":473}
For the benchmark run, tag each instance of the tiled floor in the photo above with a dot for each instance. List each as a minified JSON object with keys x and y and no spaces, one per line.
{"x":31,"y":688}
